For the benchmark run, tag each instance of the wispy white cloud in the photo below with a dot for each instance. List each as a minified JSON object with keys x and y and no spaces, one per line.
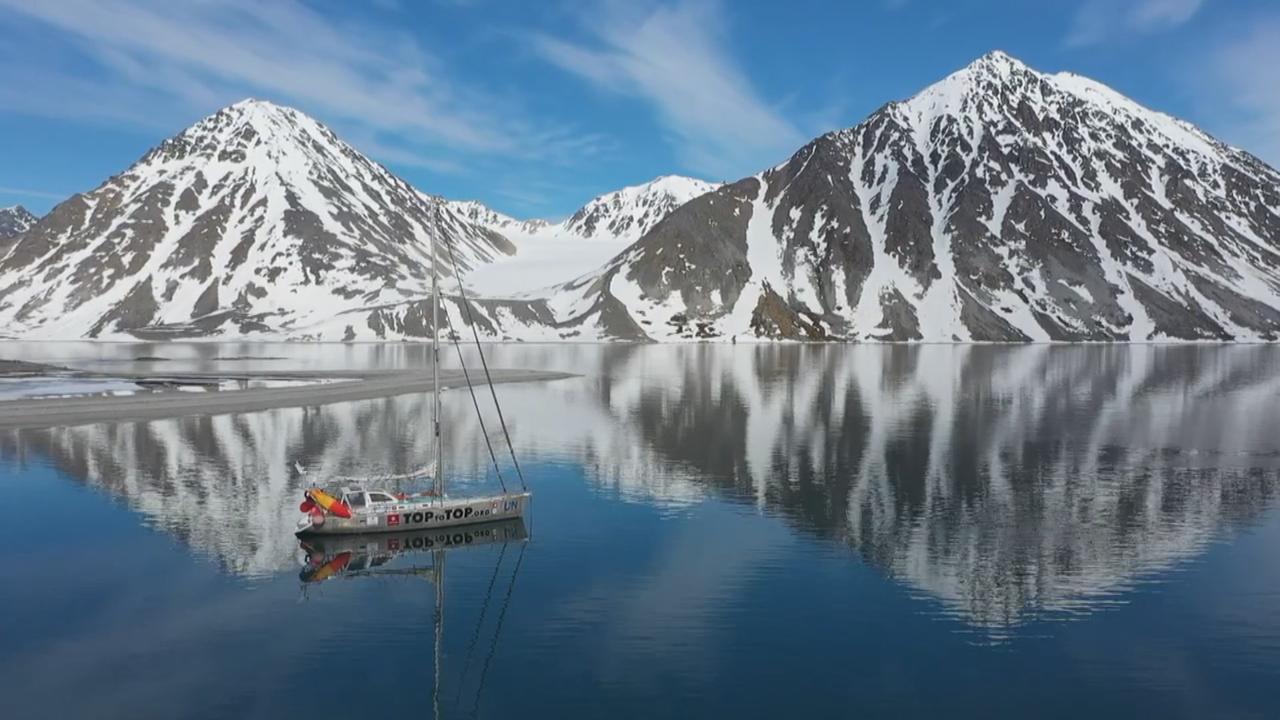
{"x":400,"y":154}
{"x":1153,"y":15}
{"x":1239,"y":78}
{"x":1096,"y":21}
{"x":134,"y":61}
{"x":24,"y":192}
{"x":672,"y":56}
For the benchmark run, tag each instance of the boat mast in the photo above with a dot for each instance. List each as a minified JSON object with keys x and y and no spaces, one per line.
{"x":438,"y":475}
{"x":437,"y":566}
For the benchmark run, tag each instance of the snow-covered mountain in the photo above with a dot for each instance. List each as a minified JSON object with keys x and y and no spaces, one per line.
{"x":620,"y":216}
{"x":482,"y":214}
{"x":629,"y":213}
{"x":14,"y":221}
{"x":257,"y":219}
{"x":549,"y":253}
{"x":998,"y":204}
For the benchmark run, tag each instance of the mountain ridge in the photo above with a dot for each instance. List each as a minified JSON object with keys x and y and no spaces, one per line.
{"x":548,"y":252}
{"x":627,"y":212}
{"x":14,"y":221}
{"x":255,"y":219}
{"x":997,"y":204}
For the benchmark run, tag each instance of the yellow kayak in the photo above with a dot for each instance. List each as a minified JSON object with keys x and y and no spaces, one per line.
{"x":330,"y":504}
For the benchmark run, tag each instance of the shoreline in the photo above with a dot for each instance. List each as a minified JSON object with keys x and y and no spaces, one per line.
{"x":359,"y":385}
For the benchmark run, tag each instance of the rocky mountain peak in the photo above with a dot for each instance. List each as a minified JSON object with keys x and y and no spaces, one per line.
{"x":251,"y":132}
{"x":1000,"y":203}
{"x":14,"y":221}
{"x":478,"y":212}
{"x":998,"y":94}
{"x":632,"y":211}
{"x":622,"y":215}
{"x":997,"y":62}
{"x":986,"y":88}
{"x":255,"y":218}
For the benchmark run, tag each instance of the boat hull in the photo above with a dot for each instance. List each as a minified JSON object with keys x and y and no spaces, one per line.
{"x":422,"y":515}
{"x":328,"y":556}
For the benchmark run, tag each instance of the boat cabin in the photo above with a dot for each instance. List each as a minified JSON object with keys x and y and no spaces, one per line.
{"x":362,"y":501}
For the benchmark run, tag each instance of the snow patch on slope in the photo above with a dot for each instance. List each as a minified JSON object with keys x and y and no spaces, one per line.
{"x":548,"y":254}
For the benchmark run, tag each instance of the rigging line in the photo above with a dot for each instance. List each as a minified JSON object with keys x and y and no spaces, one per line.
{"x":466,"y":307}
{"x":476,"y":402}
{"x":475,"y":637}
{"x":420,"y":472}
{"x":502,"y":615}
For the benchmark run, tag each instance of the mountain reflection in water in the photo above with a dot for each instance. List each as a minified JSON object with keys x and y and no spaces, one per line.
{"x":1004,"y":482}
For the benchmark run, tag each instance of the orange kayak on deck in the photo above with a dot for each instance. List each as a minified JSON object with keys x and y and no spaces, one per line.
{"x":328,"y":503}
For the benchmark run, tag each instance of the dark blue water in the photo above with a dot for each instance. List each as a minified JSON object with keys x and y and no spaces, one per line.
{"x":716,"y":532}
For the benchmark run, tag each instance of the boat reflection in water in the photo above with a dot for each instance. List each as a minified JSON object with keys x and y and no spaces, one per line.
{"x":326,"y":557}
{"x":330,"y":557}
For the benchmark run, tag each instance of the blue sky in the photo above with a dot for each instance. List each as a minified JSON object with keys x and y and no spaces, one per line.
{"x":536,"y":106}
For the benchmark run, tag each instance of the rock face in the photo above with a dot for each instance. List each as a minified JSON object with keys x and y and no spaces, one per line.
{"x":622,"y":216}
{"x":482,"y":214}
{"x":1001,"y":204}
{"x":629,"y":213}
{"x":257,"y":219}
{"x":14,"y":221}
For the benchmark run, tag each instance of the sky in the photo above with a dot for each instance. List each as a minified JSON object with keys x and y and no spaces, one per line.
{"x":535,"y":107}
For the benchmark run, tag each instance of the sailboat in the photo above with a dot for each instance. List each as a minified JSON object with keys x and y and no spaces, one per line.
{"x":357,"y":509}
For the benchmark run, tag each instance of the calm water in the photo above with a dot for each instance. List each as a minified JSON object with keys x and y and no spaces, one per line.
{"x":742,"y":531}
